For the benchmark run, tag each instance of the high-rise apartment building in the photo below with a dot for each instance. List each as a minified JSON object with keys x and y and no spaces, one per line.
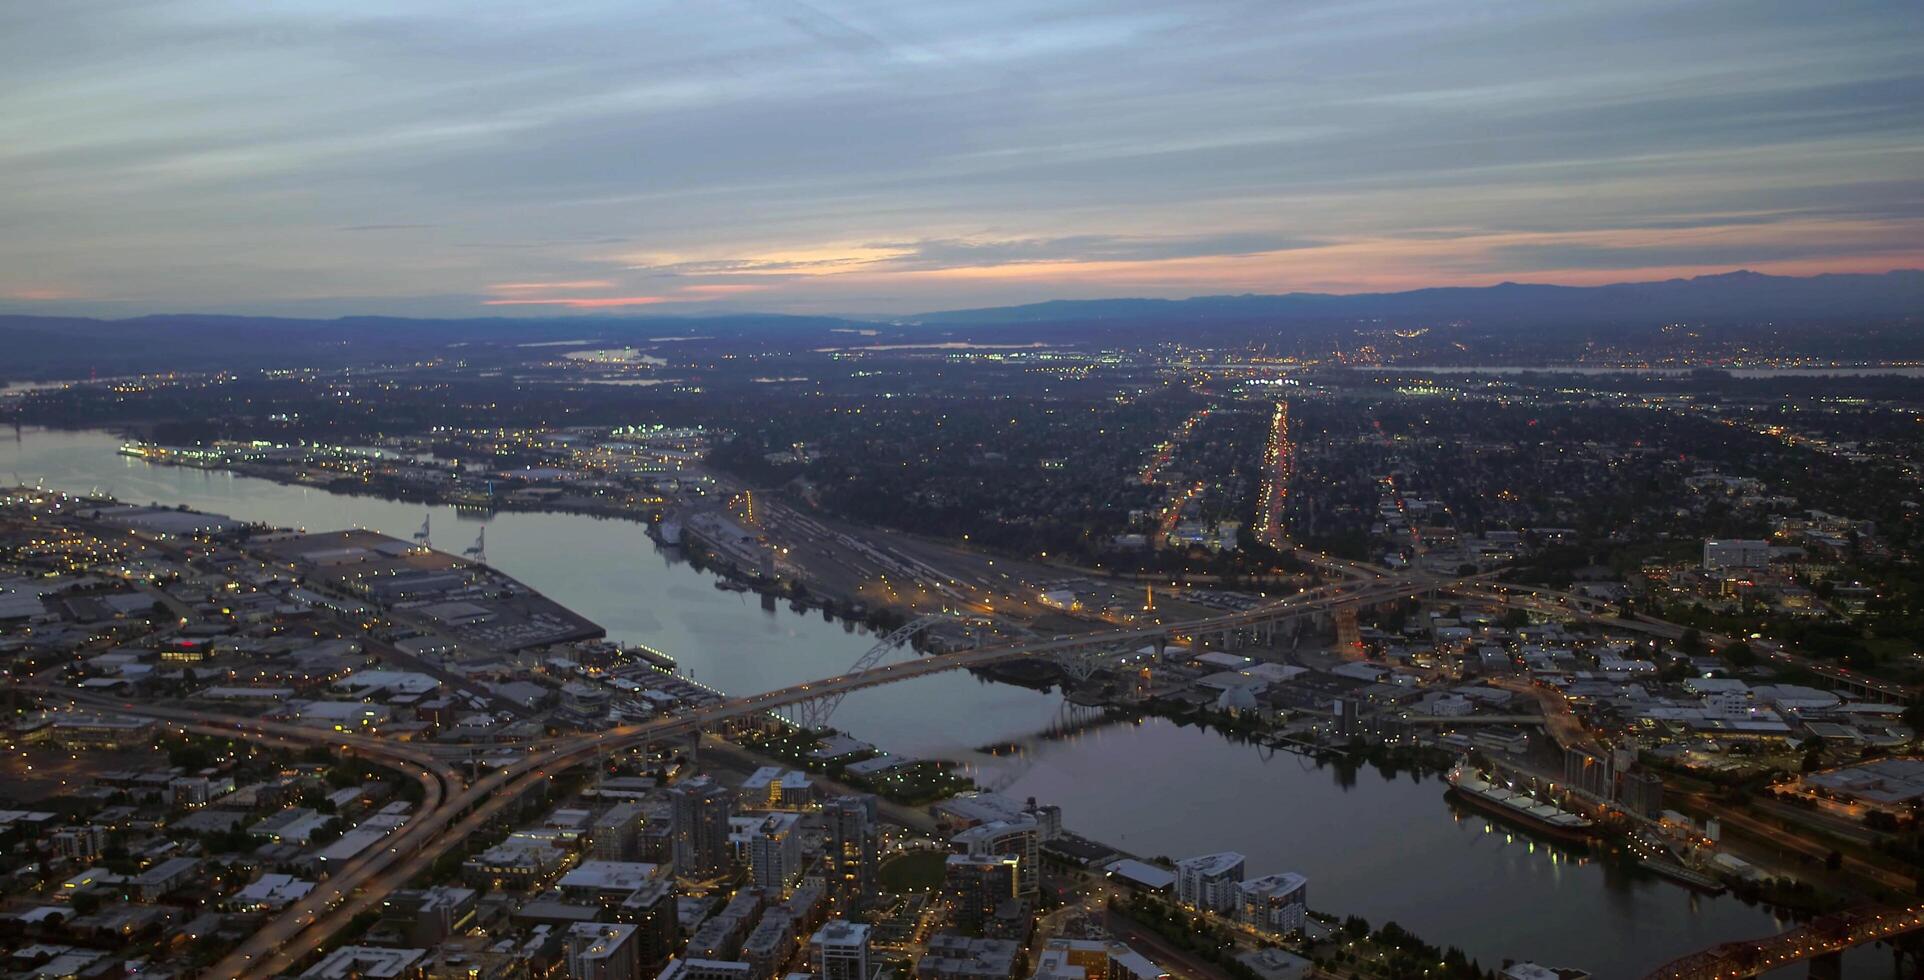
{"x":852,"y":830}
{"x":701,"y":808}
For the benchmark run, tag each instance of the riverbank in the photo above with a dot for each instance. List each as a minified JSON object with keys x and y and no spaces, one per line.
{"x":640,"y":503}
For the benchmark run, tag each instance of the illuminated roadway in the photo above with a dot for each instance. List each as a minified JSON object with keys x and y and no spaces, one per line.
{"x":438,"y":782}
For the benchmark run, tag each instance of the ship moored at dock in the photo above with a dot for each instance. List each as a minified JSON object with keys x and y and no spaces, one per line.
{"x":1473,"y":788}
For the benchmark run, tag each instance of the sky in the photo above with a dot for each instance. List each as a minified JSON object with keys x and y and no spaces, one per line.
{"x":817,"y":156}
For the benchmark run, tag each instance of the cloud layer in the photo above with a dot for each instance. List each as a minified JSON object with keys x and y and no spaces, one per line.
{"x":459,"y":157}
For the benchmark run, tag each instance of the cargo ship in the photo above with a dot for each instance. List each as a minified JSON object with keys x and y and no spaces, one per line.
{"x":1471,"y":788}
{"x":1657,"y":856}
{"x":1689,"y":877}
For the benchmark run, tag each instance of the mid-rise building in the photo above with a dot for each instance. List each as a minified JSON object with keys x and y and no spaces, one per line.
{"x":651,"y":909}
{"x":953,"y":957}
{"x":603,"y":951}
{"x":368,"y":963}
{"x":700,"y":969}
{"x":605,"y":882}
{"x":1209,"y":882}
{"x":1073,"y":959}
{"x":513,"y":864}
{"x":769,"y":944}
{"x":809,"y":907}
{"x":426,"y":916}
{"x":1020,"y":838}
{"x":1127,"y":964}
{"x":720,"y":937}
{"x":975,"y":886}
{"x":1727,"y":553}
{"x":617,"y":833}
{"x":1047,"y":816}
{"x":1277,"y":903}
{"x":775,"y":788}
{"x":840,"y":951}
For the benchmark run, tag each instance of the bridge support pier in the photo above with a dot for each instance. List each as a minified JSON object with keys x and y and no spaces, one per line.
{"x":1909,"y":949}
{"x":1829,"y":966}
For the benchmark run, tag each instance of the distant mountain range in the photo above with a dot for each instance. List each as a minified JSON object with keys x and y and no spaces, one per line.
{"x":1732,"y":296}
{"x":1508,"y":314}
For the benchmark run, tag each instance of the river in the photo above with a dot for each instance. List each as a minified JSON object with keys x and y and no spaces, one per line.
{"x":1383,"y":848}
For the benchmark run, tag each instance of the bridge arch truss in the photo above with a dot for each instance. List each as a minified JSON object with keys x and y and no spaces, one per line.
{"x":815,"y":713}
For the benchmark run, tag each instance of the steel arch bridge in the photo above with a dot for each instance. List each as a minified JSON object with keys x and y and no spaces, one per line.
{"x":815,"y":713}
{"x":1078,"y":663}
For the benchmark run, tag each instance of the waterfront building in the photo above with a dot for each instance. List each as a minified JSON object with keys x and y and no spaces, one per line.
{"x":1275,"y":903}
{"x":1209,"y":882}
{"x":1136,"y":874}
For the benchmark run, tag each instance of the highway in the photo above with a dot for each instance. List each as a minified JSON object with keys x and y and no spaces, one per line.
{"x":439,"y":783}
